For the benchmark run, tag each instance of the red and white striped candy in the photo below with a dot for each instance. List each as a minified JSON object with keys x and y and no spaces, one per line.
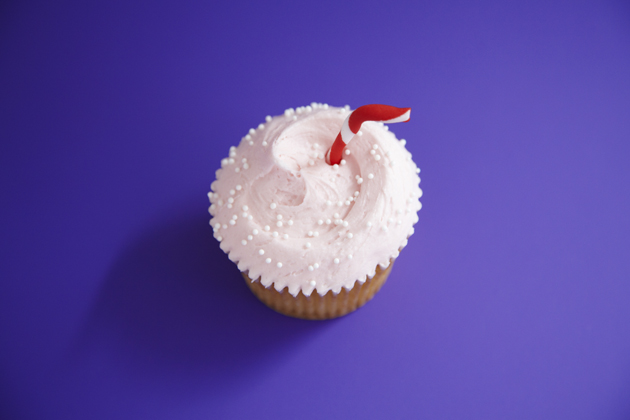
{"x":351,"y":126}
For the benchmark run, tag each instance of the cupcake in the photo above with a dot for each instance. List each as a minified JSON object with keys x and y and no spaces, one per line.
{"x":314,"y":240}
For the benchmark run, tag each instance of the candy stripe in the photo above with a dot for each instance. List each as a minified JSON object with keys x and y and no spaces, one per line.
{"x":352,"y":124}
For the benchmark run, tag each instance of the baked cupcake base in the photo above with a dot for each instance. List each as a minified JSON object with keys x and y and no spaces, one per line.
{"x":320,"y":307}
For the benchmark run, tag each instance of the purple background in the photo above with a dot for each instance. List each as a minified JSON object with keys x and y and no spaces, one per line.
{"x":512,"y":300}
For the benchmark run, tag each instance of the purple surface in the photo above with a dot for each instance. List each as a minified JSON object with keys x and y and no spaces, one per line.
{"x":512,"y":300}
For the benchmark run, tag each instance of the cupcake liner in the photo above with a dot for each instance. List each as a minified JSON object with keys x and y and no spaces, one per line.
{"x":318,"y":307}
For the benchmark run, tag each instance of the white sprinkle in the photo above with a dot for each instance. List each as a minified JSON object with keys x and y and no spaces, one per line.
{"x":224,"y":162}
{"x":399,"y":222}
{"x":339,"y":203}
{"x":245,"y":208}
{"x":359,"y":133}
{"x":316,"y":234}
{"x":264,"y":143}
{"x":237,"y":170}
{"x":230,"y":200}
{"x":349,"y":235}
{"x":347,"y":152}
{"x":320,"y":222}
{"x":219,"y":238}
{"x":360,"y":181}
{"x":390,"y":220}
{"x":328,"y":202}
{"x":419,"y":192}
{"x":403,"y":141}
{"x":238,"y":188}
{"x":316,"y":265}
{"x":229,"y":206}
{"x":385,"y":228}
{"x":312,"y":283}
{"x":251,"y":142}
{"x":369,"y":224}
{"x":250,"y":217}
{"x":261,"y":126}
{"x":417,"y":170}
{"x":399,"y":211}
{"x":343,"y":162}
{"x":290,"y":223}
{"x":268,"y":118}
{"x":224,"y":226}
{"x":268,"y":260}
{"x":377,"y":157}
{"x":311,"y":162}
{"x":232,"y":222}
{"x":252,"y":131}
{"x":345,"y":224}
{"x":328,"y":221}
{"x":244,"y":214}
{"x":279,"y":224}
{"x":375,"y":146}
{"x":250,"y":237}
{"x":310,"y":233}
{"x":336,"y":260}
{"x":372,"y":152}
{"x":244,"y":242}
{"x":275,"y":234}
{"x":337,"y":221}
{"x":279,"y":265}
{"x":231,"y":161}
{"x":234,"y":217}
{"x":308,"y":244}
{"x":285,"y":236}
{"x":273,"y":206}
{"x":350,"y":256}
{"x":310,"y":268}
{"x":347,"y":203}
{"x":220,"y":202}
{"x":335,"y":166}
{"x":336,"y":215}
{"x":247,"y":137}
{"x":267,"y":228}
{"x":261,"y":252}
{"x":279,"y":217}
{"x":370,"y":176}
{"x":356,"y":193}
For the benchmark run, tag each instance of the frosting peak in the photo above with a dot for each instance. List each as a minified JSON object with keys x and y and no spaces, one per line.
{"x":287,"y":217}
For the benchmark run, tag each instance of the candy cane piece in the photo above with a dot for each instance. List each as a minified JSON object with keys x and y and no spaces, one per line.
{"x":352,"y":124}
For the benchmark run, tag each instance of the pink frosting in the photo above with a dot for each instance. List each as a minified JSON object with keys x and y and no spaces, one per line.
{"x":287,"y":217}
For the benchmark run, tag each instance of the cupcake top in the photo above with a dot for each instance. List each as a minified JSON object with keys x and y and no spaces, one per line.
{"x":284,"y":215}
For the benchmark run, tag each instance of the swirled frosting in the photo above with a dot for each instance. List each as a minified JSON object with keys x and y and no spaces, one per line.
{"x":286,"y":217}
